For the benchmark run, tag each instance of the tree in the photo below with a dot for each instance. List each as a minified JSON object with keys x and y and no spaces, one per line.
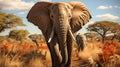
{"x":9,"y":20}
{"x":18,"y":34}
{"x":91,"y":36}
{"x":104,"y":28}
{"x":117,"y":36}
{"x":36,"y":38}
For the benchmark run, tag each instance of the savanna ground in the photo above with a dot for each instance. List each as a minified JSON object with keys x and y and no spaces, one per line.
{"x":26,"y":54}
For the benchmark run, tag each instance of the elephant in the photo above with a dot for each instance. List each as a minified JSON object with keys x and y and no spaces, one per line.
{"x":80,"y":42}
{"x":59,"y":22}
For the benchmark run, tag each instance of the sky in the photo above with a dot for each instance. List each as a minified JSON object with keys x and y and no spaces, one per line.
{"x":100,"y":10}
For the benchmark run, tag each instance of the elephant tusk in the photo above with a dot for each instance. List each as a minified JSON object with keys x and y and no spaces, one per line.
{"x":51,"y":36}
{"x":72,"y":34}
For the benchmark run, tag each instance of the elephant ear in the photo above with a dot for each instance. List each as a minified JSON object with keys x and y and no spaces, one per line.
{"x":80,"y":16}
{"x":39,"y":15}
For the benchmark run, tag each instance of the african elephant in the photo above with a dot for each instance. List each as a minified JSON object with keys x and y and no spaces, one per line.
{"x":59,"y":22}
{"x":80,"y":42}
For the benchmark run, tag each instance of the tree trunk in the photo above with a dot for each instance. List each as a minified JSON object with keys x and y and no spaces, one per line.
{"x":103,"y":39}
{"x":113,"y":37}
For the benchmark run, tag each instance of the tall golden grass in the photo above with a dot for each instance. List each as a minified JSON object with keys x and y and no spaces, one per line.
{"x":26,"y":54}
{"x":23,"y":54}
{"x":105,"y":55}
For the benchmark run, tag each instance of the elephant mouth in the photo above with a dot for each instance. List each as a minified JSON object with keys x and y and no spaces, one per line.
{"x":52,"y":34}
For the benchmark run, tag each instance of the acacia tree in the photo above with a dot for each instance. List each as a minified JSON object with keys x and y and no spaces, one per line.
{"x":117,"y":36}
{"x":36,"y":38}
{"x":18,"y":34}
{"x":90,"y":36}
{"x":9,"y":20}
{"x":104,"y":28}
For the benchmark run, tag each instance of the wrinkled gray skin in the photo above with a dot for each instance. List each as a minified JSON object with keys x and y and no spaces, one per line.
{"x":58,"y":22}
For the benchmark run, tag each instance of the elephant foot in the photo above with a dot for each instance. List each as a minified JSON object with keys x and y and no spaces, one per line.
{"x":62,"y":65}
{"x":68,"y":65}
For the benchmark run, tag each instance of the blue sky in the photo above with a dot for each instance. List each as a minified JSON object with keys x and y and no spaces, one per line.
{"x":99,"y":9}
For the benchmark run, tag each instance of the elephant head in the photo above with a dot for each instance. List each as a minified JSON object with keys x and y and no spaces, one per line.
{"x":58,"y":20}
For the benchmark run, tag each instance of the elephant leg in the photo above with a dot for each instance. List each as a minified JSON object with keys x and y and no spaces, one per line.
{"x":55,"y":54}
{"x":69,"y":49}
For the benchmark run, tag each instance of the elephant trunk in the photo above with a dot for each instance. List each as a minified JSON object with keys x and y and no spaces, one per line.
{"x":61,"y":30}
{"x":62,"y":33}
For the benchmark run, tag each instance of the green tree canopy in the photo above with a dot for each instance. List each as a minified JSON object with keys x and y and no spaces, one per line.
{"x":91,"y":36}
{"x":104,"y":28}
{"x":18,"y":34}
{"x":36,"y":38}
{"x":9,"y":20}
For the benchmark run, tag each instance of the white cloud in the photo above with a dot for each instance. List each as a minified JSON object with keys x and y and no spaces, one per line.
{"x":15,"y":5}
{"x":107,"y":17}
{"x":102,"y":7}
{"x":20,"y":5}
{"x":22,"y":12}
{"x":91,"y":22}
{"x":107,"y":7}
{"x":117,"y":7}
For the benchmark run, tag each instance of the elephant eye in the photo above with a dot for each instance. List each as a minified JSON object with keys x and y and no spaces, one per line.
{"x":69,"y":16}
{"x":51,"y":16}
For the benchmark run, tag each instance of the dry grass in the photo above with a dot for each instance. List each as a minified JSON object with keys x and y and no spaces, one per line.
{"x":91,"y":50}
{"x":26,"y":54}
{"x":34,"y":62}
{"x":6,"y":62}
{"x":13,"y":54}
{"x":96,"y":54}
